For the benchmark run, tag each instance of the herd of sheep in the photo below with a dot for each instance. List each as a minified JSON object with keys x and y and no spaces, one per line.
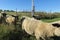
{"x":34,"y":27}
{"x":8,"y":19}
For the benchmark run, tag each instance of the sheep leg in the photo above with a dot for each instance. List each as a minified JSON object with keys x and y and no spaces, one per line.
{"x":40,"y":38}
{"x":43,"y":38}
{"x":37,"y":38}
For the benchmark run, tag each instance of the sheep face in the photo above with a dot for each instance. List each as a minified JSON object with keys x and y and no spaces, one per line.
{"x":10,"y":19}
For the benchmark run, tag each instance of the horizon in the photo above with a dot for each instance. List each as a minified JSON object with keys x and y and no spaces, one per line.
{"x":26,"y":5}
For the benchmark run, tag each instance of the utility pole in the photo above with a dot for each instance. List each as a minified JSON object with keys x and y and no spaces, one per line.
{"x":16,"y":12}
{"x":33,"y":8}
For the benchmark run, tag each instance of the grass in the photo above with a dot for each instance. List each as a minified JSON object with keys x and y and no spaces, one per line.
{"x":51,"y":20}
{"x":4,"y":30}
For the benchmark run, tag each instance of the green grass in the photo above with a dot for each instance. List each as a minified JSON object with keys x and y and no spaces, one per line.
{"x":50,"y":20}
{"x":4,"y":30}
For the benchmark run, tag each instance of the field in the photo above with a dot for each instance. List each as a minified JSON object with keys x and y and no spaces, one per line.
{"x":29,"y":14}
{"x":10,"y":32}
{"x":51,"y":20}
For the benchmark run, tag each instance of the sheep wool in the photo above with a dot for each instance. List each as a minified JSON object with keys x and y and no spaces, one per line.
{"x":29,"y":24}
{"x":57,"y":31}
{"x":10,"y":19}
{"x":44,"y":30}
{"x":39,"y":28}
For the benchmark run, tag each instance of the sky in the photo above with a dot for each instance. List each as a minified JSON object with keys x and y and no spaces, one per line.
{"x":26,"y":5}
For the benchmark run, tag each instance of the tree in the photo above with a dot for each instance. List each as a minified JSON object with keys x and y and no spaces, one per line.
{"x":0,"y":10}
{"x":4,"y":10}
{"x":11,"y":10}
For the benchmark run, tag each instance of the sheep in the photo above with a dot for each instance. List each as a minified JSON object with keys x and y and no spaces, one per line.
{"x":10,"y":19}
{"x":39,"y":29}
{"x":32,"y":24}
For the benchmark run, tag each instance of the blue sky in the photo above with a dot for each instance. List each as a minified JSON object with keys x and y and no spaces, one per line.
{"x":40,"y":5}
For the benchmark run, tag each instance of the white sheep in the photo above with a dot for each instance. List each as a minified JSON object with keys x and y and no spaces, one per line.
{"x":30,"y":24}
{"x":39,"y":29}
{"x":10,"y":19}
